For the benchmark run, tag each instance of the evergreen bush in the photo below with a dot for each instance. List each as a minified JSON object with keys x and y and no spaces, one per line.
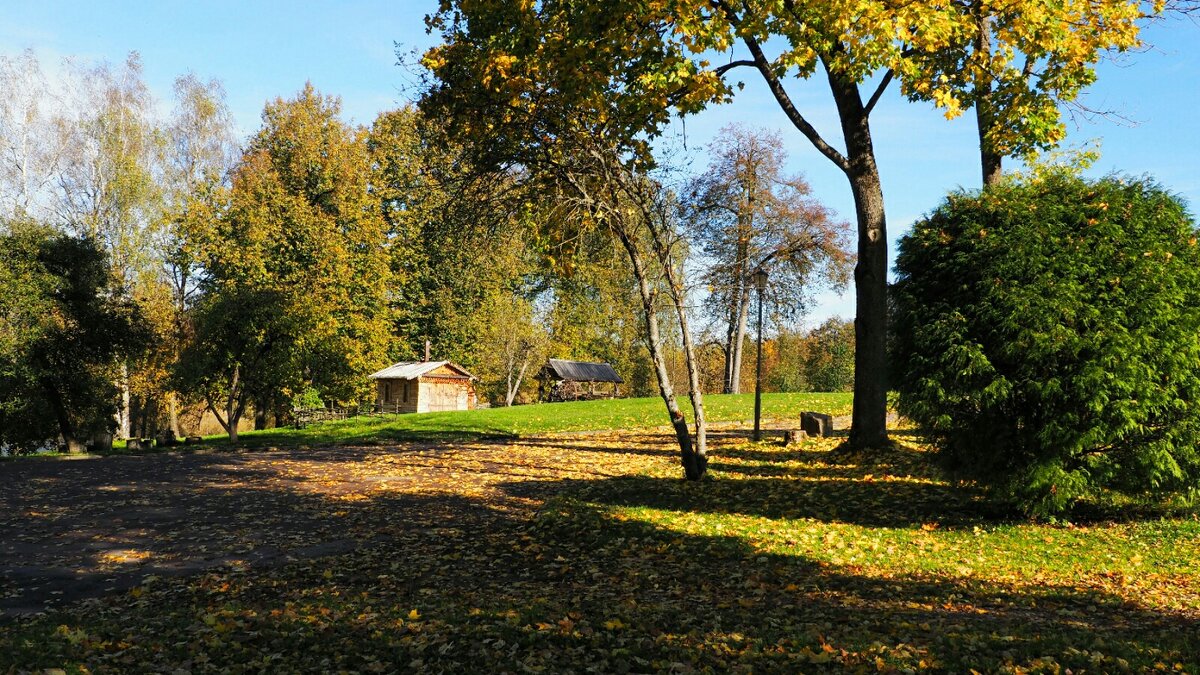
{"x":1046,"y":334}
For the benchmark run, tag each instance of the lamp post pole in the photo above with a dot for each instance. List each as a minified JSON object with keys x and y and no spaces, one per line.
{"x":760,"y":282}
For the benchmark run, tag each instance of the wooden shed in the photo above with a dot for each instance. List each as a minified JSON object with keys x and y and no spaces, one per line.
{"x":424,"y":386}
{"x":562,"y":380}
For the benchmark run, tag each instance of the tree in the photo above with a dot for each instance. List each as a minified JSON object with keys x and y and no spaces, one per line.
{"x":1047,"y":334}
{"x":537,"y":64}
{"x":513,"y":343}
{"x":295,"y":271}
{"x":65,"y":326}
{"x":1002,"y":57}
{"x":201,"y":153}
{"x":29,"y":145}
{"x":747,"y":215}
{"x":829,"y":357}
{"x":584,"y":152}
{"x":456,"y":234}
{"x":105,"y":184}
{"x":597,"y":189}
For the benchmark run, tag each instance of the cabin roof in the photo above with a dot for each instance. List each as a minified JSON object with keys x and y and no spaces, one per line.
{"x":582,"y":371}
{"x":411,"y":370}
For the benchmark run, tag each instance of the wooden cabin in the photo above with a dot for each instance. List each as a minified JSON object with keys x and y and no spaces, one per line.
{"x":562,"y":380}
{"x":424,"y":386}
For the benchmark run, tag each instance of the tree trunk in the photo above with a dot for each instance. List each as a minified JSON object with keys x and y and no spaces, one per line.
{"x":740,"y":336}
{"x":65,"y":427}
{"x":173,"y":404}
{"x":694,"y":465}
{"x":232,"y":410}
{"x":694,"y":392}
{"x":260,"y":414}
{"x":730,"y":341}
{"x":868,"y":427}
{"x":124,"y":422}
{"x":740,"y":307}
{"x":989,"y":160}
{"x":513,"y":388}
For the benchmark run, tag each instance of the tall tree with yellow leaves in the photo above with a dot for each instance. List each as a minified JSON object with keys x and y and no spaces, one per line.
{"x":295,"y":271}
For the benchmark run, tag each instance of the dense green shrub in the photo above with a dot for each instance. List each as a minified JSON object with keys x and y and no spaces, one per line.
{"x":1046,"y":333}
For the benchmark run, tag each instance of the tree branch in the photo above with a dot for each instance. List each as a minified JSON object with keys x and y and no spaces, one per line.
{"x":887,"y":79}
{"x":720,"y":72}
{"x":781,"y":96}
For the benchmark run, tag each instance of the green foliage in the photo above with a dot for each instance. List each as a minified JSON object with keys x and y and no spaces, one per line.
{"x":64,"y":324}
{"x":1047,"y":335}
{"x":457,"y":238}
{"x":829,"y":361}
{"x":309,"y":398}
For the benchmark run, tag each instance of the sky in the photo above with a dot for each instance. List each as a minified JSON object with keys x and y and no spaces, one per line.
{"x":261,"y":50}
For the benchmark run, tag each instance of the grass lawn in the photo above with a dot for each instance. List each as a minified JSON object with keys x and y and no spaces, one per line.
{"x":518,"y":421}
{"x":588,"y":554}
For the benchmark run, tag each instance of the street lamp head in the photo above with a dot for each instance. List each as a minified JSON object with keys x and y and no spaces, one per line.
{"x":760,"y":279}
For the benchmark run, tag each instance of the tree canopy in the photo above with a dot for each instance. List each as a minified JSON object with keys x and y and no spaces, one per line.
{"x":535,"y":75}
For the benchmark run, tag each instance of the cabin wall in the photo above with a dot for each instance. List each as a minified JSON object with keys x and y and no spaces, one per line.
{"x":438,"y":394}
{"x":390,"y":395}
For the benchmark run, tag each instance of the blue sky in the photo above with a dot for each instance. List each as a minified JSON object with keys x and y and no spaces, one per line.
{"x":261,"y":50}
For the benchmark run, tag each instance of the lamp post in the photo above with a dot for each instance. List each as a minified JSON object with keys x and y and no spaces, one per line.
{"x":760,"y":283}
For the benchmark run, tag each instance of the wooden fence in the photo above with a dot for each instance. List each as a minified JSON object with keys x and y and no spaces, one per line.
{"x":305,"y":416}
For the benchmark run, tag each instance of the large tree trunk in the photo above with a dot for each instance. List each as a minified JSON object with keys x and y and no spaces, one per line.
{"x":868,"y":427}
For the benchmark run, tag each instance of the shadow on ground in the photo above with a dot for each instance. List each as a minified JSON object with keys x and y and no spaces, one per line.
{"x":450,"y":570}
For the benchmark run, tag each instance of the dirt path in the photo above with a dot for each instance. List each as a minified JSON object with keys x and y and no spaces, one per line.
{"x":72,"y":529}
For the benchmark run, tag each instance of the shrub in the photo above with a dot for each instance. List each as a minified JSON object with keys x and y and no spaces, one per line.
{"x":1046,"y":333}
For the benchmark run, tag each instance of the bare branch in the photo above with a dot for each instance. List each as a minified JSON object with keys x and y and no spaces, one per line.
{"x":720,"y":72}
{"x":781,"y":96}
{"x":887,"y":79}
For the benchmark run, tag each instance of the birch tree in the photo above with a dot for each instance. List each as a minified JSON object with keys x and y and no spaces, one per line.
{"x":30,"y":147}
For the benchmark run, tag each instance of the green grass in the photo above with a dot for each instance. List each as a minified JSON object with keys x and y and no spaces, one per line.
{"x":526,"y":420}
{"x":514,"y":422}
{"x":814,"y":560}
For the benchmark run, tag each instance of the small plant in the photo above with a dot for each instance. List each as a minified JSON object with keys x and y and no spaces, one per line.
{"x":1046,"y":333}
{"x":307,"y":400}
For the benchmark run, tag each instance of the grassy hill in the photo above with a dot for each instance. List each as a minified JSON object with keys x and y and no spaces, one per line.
{"x":518,"y":421}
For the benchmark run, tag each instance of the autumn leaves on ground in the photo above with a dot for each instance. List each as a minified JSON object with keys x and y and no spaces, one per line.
{"x":573,"y":553}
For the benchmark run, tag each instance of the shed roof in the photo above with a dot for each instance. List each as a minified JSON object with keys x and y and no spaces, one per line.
{"x":411,"y":370}
{"x":583,"y":371}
